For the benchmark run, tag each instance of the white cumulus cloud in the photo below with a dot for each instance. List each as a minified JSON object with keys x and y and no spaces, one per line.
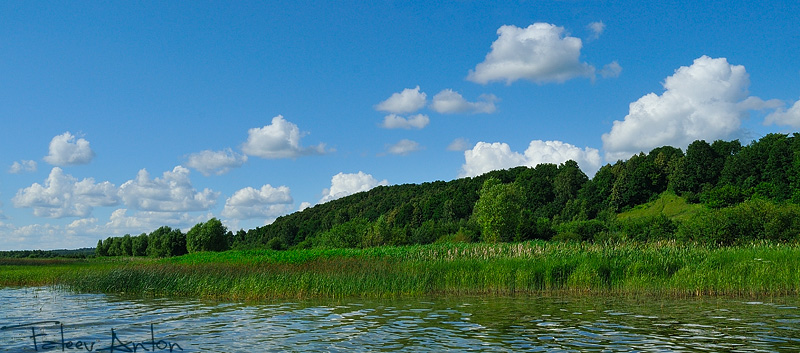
{"x":120,"y":222}
{"x":394,"y":121}
{"x":62,"y":195}
{"x":268,"y":203}
{"x":173,"y":192}
{"x":404,"y":147}
{"x":448,"y":101}
{"x":215,"y":162}
{"x":407,"y":101}
{"x":485,"y":157}
{"x":557,"y":152}
{"x":65,"y":150}
{"x":22,"y":166}
{"x":781,"y":116}
{"x":280,"y":139}
{"x":540,"y":53}
{"x":705,"y":101}
{"x":84,"y":232}
{"x":347,"y":184}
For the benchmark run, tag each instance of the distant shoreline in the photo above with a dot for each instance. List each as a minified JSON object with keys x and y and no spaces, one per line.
{"x":437,"y":269}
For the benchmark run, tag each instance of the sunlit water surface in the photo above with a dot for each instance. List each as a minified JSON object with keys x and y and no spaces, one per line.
{"x":457,"y":324}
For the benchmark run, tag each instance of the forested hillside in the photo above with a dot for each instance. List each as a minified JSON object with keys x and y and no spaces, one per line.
{"x":719,"y":174}
{"x":746,"y":192}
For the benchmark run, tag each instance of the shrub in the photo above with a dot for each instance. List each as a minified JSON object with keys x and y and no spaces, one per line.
{"x":748,"y":221}
{"x":349,"y":234}
{"x":725,"y":196}
{"x":276,"y":244}
{"x":581,"y":230}
{"x":534,"y":228}
{"x":425,"y":233}
{"x":649,"y":228}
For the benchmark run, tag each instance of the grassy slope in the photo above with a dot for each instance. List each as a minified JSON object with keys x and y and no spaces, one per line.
{"x":671,"y":205}
{"x":522,"y":268}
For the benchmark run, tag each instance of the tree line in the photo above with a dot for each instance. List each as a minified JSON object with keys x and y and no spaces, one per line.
{"x":166,"y":242}
{"x":44,"y":254}
{"x":747,"y":192}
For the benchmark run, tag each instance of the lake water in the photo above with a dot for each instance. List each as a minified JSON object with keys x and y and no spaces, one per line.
{"x":44,"y":319}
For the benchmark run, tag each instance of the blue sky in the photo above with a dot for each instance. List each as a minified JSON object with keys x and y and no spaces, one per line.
{"x":120,"y":117}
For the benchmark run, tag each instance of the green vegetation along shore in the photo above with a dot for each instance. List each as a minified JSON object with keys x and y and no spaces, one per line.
{"x":666,"y":268}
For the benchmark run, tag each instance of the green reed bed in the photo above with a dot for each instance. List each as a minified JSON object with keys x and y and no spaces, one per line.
{"x":53,"y":271}
{"x":503,"y":269}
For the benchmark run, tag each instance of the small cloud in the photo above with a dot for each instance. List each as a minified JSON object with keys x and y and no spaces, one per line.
{"x":65,"y":151}
{"x":303,"y":206}
{"x":448,"y":101}
{"x":611,"y":70}
{"x":280,"y":139}
{"x":347,"y":184}
{"x":407,"y":101}
{"x":22,"y":167}
{"x":393,"y":121}
{"x":215,"y":162}
{"x":460,"y":144}
{"x":540,"y":53}
{"x":597,"y":29}
{"x":404,"y":147}
{"x":755,"y":103}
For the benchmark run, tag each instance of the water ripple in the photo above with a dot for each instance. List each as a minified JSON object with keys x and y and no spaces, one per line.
{"x":531,"y":324}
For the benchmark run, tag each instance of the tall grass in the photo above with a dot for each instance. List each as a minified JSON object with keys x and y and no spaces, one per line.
{"x":503,"y":269}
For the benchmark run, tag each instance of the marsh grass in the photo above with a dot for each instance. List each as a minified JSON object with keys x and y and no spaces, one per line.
{"x":664,"y":268}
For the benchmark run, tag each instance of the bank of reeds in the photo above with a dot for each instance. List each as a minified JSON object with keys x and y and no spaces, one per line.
{"x":501,"y":269}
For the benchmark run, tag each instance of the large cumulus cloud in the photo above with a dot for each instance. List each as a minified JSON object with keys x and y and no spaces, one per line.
{"x":707,"y":100}
{"x":172,"y":192}
{"x":541,"y":53}
{"x":63,"y":195}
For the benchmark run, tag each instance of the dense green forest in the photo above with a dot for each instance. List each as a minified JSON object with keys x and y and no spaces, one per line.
{"x":722,"y":193}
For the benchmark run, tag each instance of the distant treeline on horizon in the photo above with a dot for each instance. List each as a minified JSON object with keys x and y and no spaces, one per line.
{"x":70,"y":253}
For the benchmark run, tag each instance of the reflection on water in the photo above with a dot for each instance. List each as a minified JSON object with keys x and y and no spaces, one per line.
{"x":505,"y":324}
